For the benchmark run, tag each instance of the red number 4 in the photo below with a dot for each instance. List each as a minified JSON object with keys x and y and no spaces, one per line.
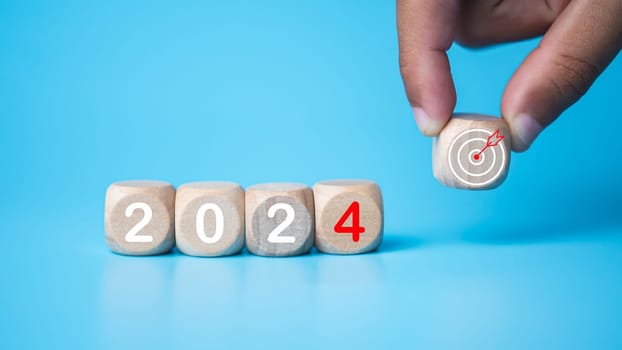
{"x":356,"y":229}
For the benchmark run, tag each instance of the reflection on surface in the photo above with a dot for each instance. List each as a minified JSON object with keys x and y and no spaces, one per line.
{"x":206,"y":297}
{"x":135,"y":299}
{"x":264,"y":297}
{"x":439,"y":294}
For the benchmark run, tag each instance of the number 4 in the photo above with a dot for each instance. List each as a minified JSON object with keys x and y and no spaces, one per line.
{"x":356,"y":229}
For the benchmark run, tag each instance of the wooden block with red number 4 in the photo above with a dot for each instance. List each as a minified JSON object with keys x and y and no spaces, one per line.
{"x":349,"y":216}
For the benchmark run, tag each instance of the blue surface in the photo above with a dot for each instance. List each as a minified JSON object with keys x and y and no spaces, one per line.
{"x":95,"y":92}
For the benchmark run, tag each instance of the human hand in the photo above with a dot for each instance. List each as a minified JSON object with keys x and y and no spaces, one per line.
{"x":581,"y":37}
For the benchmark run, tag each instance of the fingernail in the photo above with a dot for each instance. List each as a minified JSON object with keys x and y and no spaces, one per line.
{"x":427,"y":125}
{"x":526,"y":129}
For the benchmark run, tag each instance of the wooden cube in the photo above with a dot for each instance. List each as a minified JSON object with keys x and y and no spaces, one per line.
{"x":280,"y":219}
{"x":349,"y":216}
{"x":139,"y":217}
{"x":472,"y":152}
{"x":209,"y":218}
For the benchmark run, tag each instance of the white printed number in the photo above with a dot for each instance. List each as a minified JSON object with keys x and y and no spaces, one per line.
{"x":200,"y":223}
{"x":274,"y":236}
{"x":132,"y":235}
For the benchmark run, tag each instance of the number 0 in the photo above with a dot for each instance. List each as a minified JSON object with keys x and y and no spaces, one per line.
{"x":200,"y":223}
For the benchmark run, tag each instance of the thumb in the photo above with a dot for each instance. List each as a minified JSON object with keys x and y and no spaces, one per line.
{"x":580,"y":44}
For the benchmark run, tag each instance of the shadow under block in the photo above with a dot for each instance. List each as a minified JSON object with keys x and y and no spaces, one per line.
{"x":139,"y":217}
{"x":349,"y":216}
{"x":280,"y":219}
{"x":472,"y":152}
{"x":209,"y":218}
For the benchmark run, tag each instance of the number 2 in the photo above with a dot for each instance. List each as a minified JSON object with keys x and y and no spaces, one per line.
{"x":274,"y":236}
{"x":356,"y":229}
{"x":132,"y":235}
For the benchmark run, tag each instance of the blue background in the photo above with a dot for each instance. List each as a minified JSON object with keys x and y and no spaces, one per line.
{"x":263,"y":91}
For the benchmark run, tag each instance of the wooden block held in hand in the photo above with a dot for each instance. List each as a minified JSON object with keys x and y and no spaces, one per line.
{"x":280,"y":219}
{"x":472,"y":152}
{"x":209,"y":218}
{"x":139,"y":217}
{"x":349,"y":216}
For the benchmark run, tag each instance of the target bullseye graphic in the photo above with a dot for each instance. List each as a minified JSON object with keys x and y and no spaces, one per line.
{"x":476,"y":157}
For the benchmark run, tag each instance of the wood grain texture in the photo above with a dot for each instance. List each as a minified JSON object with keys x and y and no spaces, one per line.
{"x":266,"y":199}
{"x":197,"y":199}
{"x":119,"y":219}
{"x":332,"y":199}
{"x":456,"y":158}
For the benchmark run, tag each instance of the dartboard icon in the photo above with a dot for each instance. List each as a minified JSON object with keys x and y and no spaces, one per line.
{"x":477,"y":157}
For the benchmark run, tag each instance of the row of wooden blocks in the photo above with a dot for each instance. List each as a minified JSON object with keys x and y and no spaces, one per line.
{"x":219,"y":218}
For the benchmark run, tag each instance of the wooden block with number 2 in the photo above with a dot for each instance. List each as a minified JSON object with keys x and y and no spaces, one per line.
{"x":279,"y":219}
{"x":349,"y":216}
{"x":139,"y":217}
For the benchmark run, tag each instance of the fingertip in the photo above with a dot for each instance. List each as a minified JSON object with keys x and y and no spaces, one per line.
{"x":429,"y":126}
{"x":431,"y":92}
{"x":426,"y":30}
{"x":524,"y":129}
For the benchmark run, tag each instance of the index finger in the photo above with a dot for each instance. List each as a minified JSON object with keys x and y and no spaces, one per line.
{"x":426,"y":30}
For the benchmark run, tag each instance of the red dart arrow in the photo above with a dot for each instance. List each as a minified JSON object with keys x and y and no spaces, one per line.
{"x":492,"y":141}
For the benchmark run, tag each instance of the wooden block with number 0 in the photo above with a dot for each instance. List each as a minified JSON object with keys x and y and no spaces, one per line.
{"x":279,"y":219}
{"x":209,"y":218}
{"x":349,"y":216}
{"x":139,"y":217}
